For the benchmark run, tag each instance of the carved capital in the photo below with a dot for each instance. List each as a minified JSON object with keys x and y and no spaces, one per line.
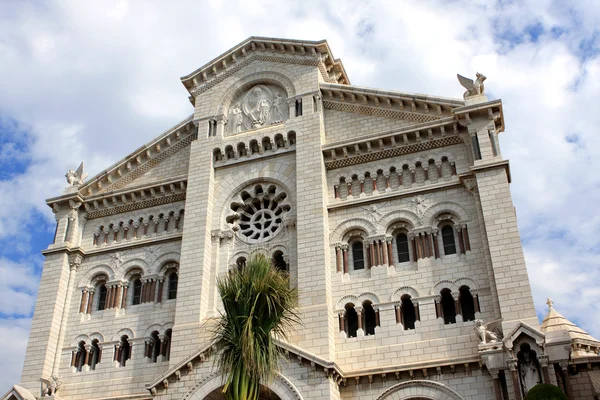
{"x":75,"y":260}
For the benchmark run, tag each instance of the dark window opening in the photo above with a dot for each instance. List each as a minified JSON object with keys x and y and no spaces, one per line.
{"x":448,"y":307}
{"x":467,"y":303}
{"x":351,"y":320}
{"x":358,"y":257}
{"x":369,"y":318}
{"x":137,"y":292}
{"x":102,"y":297}
{"x":408,"y":312}
{"x":155,"y":343}
{"x":95,"y":356}
{"x":172,"y":288}
{"x":125,"y":351}
{"x":402,"y":246}
{"x":448,"y":240}
{"x":279,"y":261}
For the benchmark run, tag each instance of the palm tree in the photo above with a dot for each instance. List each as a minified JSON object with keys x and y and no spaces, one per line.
{"x":259,"y":305}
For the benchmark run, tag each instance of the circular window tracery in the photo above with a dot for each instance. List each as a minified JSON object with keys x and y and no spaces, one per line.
{"x":259,"y":213}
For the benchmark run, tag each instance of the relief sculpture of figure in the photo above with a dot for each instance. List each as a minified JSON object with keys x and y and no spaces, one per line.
{"x":529,"y":368}
{"x":473,"y":88}
{"x":264,"y":111}
{"x":277,"y":113}
{"x":237,"y":118}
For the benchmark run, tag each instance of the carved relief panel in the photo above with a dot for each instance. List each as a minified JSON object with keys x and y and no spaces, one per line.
{"x":258,"y":107}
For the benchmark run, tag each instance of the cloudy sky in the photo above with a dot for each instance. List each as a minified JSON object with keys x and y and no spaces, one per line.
{"x":93,"y":80}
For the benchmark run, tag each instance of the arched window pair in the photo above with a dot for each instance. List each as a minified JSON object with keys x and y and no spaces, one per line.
{"x":407,"y":313}
{"x":145,"y":292}
{"x":277,"y":260}
{"x":365,"y":319}
{"x":466,"y":305}
{"x":85,"y":355}
{"x":156,"y":347}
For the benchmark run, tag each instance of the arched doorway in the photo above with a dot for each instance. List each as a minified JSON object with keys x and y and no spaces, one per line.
{"x":209,"y":388}
{"x":266,"y":394}
{"x":420,"y":390}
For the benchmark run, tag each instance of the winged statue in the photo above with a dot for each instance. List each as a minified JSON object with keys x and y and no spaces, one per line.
{"x":75,"y":178}
{"x":488,"y":333}
{"x":473,"y":88}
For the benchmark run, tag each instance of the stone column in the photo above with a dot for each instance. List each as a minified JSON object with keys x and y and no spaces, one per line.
{"x":84,"y":296}
{"x":388,"y":241}
{"x":345,"y":257}
{"x":342,"y":321}
{"x":497,"y":387}
{"x":384,"y":249}
{"x":512,"y":365}
{"x":338,"y":258}
{"x":564,"y":366}
{"x":544,"y":364}
{"x":124,"y":298}
{"x":90,"y":301}
{"x":373,"y":255}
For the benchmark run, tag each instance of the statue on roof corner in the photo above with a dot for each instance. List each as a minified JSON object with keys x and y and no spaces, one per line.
{"x":485,"y":333}
{"x":75,"y":178}
{"x":51,"y":386}
{"x":473,"y":88}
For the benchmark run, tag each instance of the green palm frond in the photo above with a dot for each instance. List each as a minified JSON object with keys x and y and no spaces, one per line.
{"x":259,"y":304}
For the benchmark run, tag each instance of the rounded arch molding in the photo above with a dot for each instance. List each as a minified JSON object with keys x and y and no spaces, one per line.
{"x":359,"y":224}
{"x":249,"y":81}
{"x":420,"y":389}
{"x":280,"y":385}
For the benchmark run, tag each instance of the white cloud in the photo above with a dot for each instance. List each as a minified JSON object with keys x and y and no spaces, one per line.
{"x":93,"y":80}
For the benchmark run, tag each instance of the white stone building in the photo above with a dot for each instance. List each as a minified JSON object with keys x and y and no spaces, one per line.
{"x":391,"y":212}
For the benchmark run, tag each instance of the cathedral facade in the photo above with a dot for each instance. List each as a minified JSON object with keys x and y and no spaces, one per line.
{"x":390,"y":211}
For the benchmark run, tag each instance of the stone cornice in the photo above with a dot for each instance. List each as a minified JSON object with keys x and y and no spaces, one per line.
{"x":116,"y":247}
{"x":390,"y":104}
{"x":390,"y":145}
{"x":317,"y":53}
{"x":491,"y":110}
{"x":141,"y":160}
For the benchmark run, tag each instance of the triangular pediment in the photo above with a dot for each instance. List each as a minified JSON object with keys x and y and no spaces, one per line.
{"x":523,"y":329}
{"x":315,"y":53}
{"x":18,"y":393}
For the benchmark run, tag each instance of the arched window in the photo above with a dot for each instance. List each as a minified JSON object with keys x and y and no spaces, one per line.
{"x":448,"y":240}
{"x":137,"y":292}
{"x":351,"y":320}
{"x":80,"y":356}
{"x":102,"y":296}
{"x":241,"y":263}
{"x":279,"y":261}
{"x":358,"y":257}
{"x":408,"y":312}
{"x":402,"y":246}
{"x":369,"y":318}
{"x":448,"y":307}
{"x":96,"y":354}
{"x":166,"y":347}
{"x":467,"y":303}
{"x":172,"y":288}
{"x":154,"y":346}
{"x":124,"y":351}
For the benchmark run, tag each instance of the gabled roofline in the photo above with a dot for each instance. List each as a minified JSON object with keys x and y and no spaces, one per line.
{"x":218,"y":65}
{"x":449,"y":102}
{"x":113,"y":174}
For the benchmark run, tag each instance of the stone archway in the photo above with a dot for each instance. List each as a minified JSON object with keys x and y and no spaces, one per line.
{"x":217,"y":395}
{"x":420,"y":390}
{"x":280,"y":388}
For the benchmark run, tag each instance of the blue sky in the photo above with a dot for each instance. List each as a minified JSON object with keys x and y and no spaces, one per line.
{"x":91,"y":81}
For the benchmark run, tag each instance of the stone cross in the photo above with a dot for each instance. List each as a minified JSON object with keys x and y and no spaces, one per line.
{"x":550,"y":303}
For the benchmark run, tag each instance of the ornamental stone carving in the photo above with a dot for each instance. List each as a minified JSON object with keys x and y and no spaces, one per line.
{"x":258,"y":107}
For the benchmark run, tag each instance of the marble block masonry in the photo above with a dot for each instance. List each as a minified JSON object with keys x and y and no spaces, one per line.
{"x":390,"y":211}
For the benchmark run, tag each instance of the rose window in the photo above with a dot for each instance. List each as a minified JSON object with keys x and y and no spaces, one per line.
{"x":258,"y":213}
